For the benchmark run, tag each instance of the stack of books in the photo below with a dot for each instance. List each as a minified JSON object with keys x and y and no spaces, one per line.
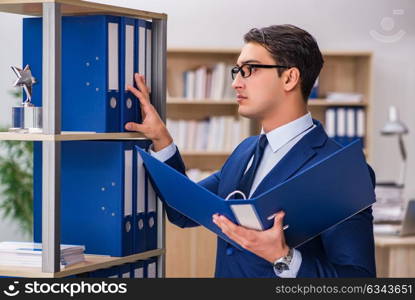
{"x":334,"y":97}
{"x":27,"y":254}
{"x":222,"y":133}
{"x":197,"y":175}
{"x":208,"y":83}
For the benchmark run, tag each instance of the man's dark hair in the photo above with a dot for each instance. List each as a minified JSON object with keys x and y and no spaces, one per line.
{"x":291,"y":46}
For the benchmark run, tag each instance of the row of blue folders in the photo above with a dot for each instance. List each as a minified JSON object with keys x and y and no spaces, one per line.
{"x":107,"y":201}
{"x":140,"y":269}
{"x":345,"y":124}
{"x":100,"y":55}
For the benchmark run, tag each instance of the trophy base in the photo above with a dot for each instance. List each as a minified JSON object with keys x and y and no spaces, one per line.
{"x":26,"y":119}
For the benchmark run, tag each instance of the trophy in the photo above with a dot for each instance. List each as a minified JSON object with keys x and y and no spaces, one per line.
{"x":26,"y":118}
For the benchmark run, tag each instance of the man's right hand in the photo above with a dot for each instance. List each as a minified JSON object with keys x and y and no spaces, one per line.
{"x":152,"y":127}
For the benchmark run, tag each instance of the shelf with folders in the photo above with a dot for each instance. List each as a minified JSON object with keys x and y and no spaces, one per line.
{"x":219,"y":102}
{"x":345,"y":82}
{"x":121,"y":31}
{"x":194,"y":91}
{"x":92,"y":263}
{"x":232,"y":102}
{"x":69,"y":136}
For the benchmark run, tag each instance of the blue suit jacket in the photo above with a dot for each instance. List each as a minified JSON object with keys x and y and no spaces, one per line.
{"x":346,"y":250}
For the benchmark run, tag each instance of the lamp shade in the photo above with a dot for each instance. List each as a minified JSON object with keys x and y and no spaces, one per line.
{"x":394,"y":126}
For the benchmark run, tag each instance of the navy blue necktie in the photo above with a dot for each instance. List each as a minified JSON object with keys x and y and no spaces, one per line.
{"x":248,"y":178}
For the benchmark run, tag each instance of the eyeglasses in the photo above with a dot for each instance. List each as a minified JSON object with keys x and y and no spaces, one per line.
{"x":246,"y":69}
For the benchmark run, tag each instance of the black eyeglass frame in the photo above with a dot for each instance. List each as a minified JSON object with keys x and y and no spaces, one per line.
{"x":235,"y":70}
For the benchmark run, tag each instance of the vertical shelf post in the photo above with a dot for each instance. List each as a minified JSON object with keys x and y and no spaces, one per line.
{"x":51,"y":150}
{"x":159,"y":66}
{"x":159,"y":69}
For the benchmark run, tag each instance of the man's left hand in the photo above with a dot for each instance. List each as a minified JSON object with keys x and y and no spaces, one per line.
{"x":268,"y":244}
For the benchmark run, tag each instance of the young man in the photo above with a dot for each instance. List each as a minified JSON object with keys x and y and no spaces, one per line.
{"x":275,"y":72}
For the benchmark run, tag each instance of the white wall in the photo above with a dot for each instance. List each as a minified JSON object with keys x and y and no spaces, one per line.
{"x":10,"y":55}
{"x":336,"y":24}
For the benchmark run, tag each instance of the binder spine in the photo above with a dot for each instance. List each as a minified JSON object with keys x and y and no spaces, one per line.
{"x":148,"y":55}
{"x":113,"y":69}
{"x":37,"y":192}
{"x":151,"y":215}
{"x":139,"y":220}
{"x":351,"y":129}
{"x":360,"y":125}
{"x":137,"y":269}
{"x":128,"y":44}
{"x":127,"y":234}
{"x":124,"y":271}
{"x":150,"y":268}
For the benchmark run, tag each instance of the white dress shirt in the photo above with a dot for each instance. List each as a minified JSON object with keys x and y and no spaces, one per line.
{"x":280,"y":142}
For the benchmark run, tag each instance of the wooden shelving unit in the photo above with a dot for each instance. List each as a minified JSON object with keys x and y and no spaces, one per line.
{"x":395,"y":256}
{"x":91,"y":263}
{"x":343,"y":71}
{"x":212,"y":102}
{"x":70,"y":136}
{"x":52,"y":11}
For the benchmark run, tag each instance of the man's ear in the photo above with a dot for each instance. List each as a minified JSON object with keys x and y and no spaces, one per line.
{"x":291,"y":78}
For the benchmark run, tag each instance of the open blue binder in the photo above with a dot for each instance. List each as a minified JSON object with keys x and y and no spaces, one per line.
{"x":314,"y":200}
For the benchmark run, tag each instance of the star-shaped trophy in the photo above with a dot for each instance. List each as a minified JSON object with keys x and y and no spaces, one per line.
{"x":27,"y":118}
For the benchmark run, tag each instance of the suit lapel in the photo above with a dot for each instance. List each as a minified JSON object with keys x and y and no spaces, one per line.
{"x":294,"y":160}
{"x":235,"y":170}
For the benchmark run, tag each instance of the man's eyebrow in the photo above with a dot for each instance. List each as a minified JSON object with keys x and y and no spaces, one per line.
{"x":249,"y":61}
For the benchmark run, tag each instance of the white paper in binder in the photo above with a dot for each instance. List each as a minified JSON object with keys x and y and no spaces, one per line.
{"x":246,"y":216}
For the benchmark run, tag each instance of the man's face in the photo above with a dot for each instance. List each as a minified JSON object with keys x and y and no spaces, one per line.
{"x":259,"y":94}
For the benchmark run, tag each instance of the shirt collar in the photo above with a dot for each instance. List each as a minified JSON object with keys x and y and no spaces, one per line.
{"x":279,"y":136}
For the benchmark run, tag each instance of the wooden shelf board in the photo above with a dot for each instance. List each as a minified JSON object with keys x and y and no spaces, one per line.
{"x":311,"y":102}
{"x":74,"y":7}
{"x":183,"y":101}
{"x":324,"y":102}
{"x":393,"y":240}
{"x":205,"y":153}
{"x":231,"y":51}
{"x":91,"y":263}
{"x":70,"y":136}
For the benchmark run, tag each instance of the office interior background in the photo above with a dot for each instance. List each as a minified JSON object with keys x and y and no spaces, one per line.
{"x":385,"y":28}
